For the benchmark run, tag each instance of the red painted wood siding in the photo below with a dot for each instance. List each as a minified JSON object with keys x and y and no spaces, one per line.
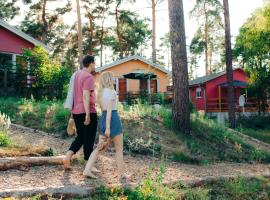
{"x":212,"y":86}
{"x":198,"y":103}
{"x":12,"y":43}
{"x":212,"y":89}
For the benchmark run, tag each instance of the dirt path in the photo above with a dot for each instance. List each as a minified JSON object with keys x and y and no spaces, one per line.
{"x":53,"y":179}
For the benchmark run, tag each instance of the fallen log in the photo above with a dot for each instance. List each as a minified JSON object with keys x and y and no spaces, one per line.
{"x":23,"y":151}
{"x":19,"y":162}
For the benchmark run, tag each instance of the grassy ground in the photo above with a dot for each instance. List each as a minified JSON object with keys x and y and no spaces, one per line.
{"x":262,"y":135}
{"x":146,"y":131}
{"x":49,"y":116}
{"x":256,"y":126}
{"x":237,"y":189}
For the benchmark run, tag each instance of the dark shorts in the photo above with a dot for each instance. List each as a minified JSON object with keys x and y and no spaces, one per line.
{"x":115,"y":126}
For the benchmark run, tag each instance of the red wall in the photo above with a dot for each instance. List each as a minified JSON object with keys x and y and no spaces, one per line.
{"x":212,"y":89}
{"x":12,"y":43}
{"x":212,"y":86}
{"x":197,"y":102}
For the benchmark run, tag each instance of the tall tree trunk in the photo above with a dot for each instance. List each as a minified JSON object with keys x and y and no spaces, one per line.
{"x":80,"y":49}
{"x":154,"y":51}
{"x":120,"y":39}
{"x":181,"y":113}
{"x":45,"y":23}
{"x":206,"y":40}
{"x":210,"y":57}
{"x":229,"y":68}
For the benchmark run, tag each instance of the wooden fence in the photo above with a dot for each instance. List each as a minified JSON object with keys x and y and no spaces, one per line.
{"x":214,"y":105}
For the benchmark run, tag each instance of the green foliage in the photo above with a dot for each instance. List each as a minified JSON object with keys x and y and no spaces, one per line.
{"x":196,"y":194}
{"x":4,"y":139}
{"x":241,"y":188}
{"x":44,"y":115}
{"x":252,"y":48}
{"x":183,"y":157}
{"x":48,"y":74}
{"x":8,"y":9}
{"x":50,"y":28}
{"x":255,"y":126}
{"x":150,"y":189}
{"x":131,"y":33}
{"x":49,"y":152}
{"x":254,"y":122}
{"x":209,"y":36}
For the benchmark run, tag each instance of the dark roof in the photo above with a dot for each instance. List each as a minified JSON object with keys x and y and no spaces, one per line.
{"x":23,"y":35}
{"x":236,"y":83}
{"x":207,"y":78}
{"x":140,"y":74}
{"x":135,"y":57}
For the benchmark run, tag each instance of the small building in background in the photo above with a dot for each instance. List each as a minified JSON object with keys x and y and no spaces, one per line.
{"x":209,"y":93}
{"x":12,"y":41}
{"x":136,"y":75}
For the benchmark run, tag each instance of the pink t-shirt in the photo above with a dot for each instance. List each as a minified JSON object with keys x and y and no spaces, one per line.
{"x":83,"y":81}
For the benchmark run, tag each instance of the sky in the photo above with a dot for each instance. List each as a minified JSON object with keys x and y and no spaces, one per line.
{"x":240,"y":11}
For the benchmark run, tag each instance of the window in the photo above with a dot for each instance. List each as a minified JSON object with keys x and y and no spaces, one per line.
{"x":5,"y":61}
{"x":198,"y":93}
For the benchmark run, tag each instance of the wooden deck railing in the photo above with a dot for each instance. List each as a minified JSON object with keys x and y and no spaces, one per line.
{"x":132,"y":97}
{"x":216,"y":105}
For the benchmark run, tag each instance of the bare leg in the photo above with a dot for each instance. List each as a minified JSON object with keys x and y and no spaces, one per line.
{"x":92,"y":159}
{"x":90,"y":163}
{"x":118,"y":145}
{"x":66,"y":160}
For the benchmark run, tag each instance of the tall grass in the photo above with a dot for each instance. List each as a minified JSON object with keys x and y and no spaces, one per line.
{"x":45,"y":115}
{"x":4,"y":139}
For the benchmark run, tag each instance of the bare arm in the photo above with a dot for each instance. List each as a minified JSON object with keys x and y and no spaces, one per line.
{"x":108,"y":118}
{"x":86,"y":103}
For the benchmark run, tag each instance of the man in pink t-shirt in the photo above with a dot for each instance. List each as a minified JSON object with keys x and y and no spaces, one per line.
{"x":83,"y":111}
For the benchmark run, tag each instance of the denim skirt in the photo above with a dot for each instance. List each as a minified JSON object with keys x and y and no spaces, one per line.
{"x":115,"y":126}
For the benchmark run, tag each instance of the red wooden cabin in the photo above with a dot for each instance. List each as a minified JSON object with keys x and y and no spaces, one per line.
{"x":12,"y":40}
{"x":209,"y":93}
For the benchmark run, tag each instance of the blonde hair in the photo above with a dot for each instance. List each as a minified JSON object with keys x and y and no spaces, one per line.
{"x":106,"y":80}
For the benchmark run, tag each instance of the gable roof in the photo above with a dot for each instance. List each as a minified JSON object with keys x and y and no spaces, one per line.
{"x":207,"y":78}
{"x":136,"y":57}
{"x":23,"y":35}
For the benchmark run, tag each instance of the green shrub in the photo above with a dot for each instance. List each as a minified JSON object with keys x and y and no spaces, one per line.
{"x":196,"y":194}
{"x":239,"y":188}
{"x":4,"y":139}
{"x":180,"y":156}
{"x":255,"y":122}
{"x":256,"y":155}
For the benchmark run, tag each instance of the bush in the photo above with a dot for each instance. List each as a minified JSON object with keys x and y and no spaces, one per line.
{"x":239,"y":188}
{"x":196,"y":194}
{"x":255,"y":122}
{"x":180,"y":156}
{"x":4,"y":139}
{"x":50,"y":77}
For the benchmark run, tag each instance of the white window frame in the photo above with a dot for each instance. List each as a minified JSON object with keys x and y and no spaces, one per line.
{"x":198,"y":91}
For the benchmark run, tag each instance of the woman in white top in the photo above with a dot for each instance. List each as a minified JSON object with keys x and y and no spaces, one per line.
{"x":109,"y":125}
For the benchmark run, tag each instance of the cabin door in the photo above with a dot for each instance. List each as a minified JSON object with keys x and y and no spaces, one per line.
{"x":122,"y":89}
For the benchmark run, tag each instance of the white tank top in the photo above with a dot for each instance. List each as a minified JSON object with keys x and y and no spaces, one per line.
{"x":107,"y":95}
